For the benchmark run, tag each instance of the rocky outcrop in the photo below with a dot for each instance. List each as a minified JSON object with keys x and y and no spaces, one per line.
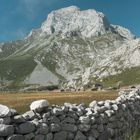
{"x":104,"y":120}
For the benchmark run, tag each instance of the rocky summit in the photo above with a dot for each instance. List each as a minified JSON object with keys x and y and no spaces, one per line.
{"x":73,"y":48}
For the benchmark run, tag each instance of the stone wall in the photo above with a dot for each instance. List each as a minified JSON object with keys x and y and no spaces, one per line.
{"x":104,"y":120}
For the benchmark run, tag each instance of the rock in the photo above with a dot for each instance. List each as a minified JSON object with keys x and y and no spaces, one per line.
{"x":107,"y":104}
{"x":6,"y":130}
{"x":93,"y":120}
{"x":68,"y":105}
{"x":46,"y":115}
{"x":93,"y":104}
{"x":72,"y":115}
{"x":35,"y":122}
{"x":54,"y":119}
{"x":109,"y":113}
{"x":6,"y":120}
{"x":18,"y":119}
{"x":89,"y":111}
{"x":13,"y":112}
{"x":100,"y":128}
{"x":4,"y":111}
{"x":69,"y":127}
{"x":110,"y":132}
{"x":95,"y":133}
{"x":55,"y":127}
{"x":26,"y":128}
{"x":39,"y":137}
{"x":29,"y":115}
{"x":69,"y":120}
{"x":16,"y":137}
{"x":100,"y":103}
{"x":70,"y":136}
{"x":106,"y":135}
{"x":60,"y":136}
{"x":115,"y":107}
{"x":43,"y":129}
{"x":39,"y":106}
{"x":29,"y":136}
{"x":91,"y":138}
{"x":84,"y":127}
{"x":49,"y":136}
{"x":57,"y":111}
{"x":80,"y":136}
{"x":84,"y":119}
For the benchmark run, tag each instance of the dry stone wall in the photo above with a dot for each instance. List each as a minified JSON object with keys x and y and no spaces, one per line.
{"x":104,"y":120}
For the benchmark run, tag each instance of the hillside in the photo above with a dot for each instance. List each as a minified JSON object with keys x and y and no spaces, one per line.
{"x":73,"y":48}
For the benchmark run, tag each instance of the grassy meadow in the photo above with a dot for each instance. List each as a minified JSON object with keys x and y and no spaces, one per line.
{"x":22,"y":101}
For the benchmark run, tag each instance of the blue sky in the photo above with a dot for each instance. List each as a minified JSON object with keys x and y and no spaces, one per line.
{"x":18,"y":17}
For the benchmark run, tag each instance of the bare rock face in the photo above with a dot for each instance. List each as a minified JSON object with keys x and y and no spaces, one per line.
{"x":39,"y":105}
{"x":72,"y":21}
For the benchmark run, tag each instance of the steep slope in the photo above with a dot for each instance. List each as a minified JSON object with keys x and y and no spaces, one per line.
{"x":73,"y":48}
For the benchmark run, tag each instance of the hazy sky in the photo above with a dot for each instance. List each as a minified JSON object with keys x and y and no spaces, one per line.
{"x":18,"y":17}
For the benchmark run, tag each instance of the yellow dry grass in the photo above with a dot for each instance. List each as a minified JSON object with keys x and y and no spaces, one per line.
{"x":22,"y":101}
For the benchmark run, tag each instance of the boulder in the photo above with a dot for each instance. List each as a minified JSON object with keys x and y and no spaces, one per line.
{"x":16,"y":137}
{"x":29,"y":136}
{"x":6,"y":130}
{"x":69,"y":120}
{"x":69,"y":127}
{"x":49,"y":136}
{"x":57,"y":111}
{"x":6,"y":120}
{"x":70,"y":136}
{"x":39,"y":105}
{"x":18,"y":119}
{"x":39,"y":137}
{"x":84,"y":127}
{"x":54,"y":119}
{"x":93,"y":104}
{"x":91,"y":138}
{"x":13,"y":112}
{"x":109,"y":113}
{"x":26,"y":128}
{"x":80,"y":136}
{"x":4,"y":111}
{"x":55,"y":127}
{"x":60,"y":136}
{"x":43,"y":129}
{"x":84,"y":119}
{"x":29,"y":115}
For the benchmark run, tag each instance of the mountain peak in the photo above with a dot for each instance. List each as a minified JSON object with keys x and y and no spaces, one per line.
{"x":70,"y":9}
{"x":72,"y":20}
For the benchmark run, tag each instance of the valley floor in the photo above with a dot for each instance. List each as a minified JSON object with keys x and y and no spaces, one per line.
{"x":21,"y":101}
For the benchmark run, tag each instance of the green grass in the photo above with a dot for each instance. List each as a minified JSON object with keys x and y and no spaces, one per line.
{"x":16,"y":69}
{"x":127,"y":77}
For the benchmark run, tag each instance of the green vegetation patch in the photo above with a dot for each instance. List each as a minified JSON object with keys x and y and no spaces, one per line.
{"x":127,"y":77}
{"x":17,"y":68}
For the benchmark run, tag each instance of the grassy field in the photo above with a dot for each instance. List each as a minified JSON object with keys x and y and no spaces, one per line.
{"x":21,"y":101}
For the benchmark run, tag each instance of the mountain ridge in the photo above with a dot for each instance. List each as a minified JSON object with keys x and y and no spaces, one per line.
{"x":78,"y":48}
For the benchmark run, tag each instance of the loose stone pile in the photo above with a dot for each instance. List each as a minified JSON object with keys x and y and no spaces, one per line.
{"x":104,"y":120}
